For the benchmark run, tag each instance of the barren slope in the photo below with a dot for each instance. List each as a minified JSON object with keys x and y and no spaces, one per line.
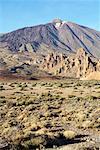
{"x":58,"y":35}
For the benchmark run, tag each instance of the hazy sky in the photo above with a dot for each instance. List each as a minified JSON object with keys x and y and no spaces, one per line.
{"x":16,"y":14}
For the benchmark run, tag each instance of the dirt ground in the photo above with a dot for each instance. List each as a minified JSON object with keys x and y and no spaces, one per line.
{"x":49,"y":114}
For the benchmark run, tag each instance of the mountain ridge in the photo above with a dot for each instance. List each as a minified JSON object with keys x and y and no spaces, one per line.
{"x":67,"y":37}
{"x":58,"y":48}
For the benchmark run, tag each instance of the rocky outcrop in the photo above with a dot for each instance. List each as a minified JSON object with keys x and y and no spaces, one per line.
{"x":77,"y":65}
{"x":95,"y":75}
{"x":98,"y":66}
{"x":84,"y":64}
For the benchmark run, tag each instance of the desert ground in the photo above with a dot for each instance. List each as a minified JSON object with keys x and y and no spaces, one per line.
{"x":49,"y":114}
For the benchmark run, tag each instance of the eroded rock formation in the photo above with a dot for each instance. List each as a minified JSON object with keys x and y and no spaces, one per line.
{"x":76,"y":65}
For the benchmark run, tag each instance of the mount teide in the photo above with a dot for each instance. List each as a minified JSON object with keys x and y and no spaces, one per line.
{"x":58,"y":48}
{"x":61,"y":36}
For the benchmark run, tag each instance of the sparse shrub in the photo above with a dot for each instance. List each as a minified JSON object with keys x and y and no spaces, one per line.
{"x":87,"y":124}
{"x":69,"y":134}
{"x":35,"y":142}
{"x":91,"y":97}
{"x":2,"y":97}
{"x":78,"y":84}
{"x":1,"y":88}
{"x":2,"y":101}
{"x":33,"y":85}
{"x":71,"y":96}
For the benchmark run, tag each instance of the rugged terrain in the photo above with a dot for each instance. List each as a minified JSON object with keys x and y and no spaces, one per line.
{"x":62,"y":114}
{"x":50,"y":88}
{"x":58,"y":48}
{"x":78,"y":65}
{"x":30,"y":65}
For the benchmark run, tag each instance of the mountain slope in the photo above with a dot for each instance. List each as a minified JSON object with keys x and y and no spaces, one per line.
{"x":58,"y":35}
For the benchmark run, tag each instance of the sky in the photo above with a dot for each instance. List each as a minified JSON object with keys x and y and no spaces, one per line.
{"x":15,"y":14}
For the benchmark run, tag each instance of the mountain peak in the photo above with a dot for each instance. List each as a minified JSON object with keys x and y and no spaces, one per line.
{"x":58,"y":35}
{"x":58,"y":22}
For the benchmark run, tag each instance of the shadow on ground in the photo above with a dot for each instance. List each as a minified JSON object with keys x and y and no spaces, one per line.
{"x":61,"y":141}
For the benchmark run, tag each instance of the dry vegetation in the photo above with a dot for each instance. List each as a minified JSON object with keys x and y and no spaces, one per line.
{"x":49,"y":114}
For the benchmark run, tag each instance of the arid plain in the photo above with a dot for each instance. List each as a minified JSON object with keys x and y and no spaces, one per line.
{"x":50,"y":114}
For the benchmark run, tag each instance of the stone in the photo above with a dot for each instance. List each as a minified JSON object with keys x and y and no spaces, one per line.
{"x":78,"y":65}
